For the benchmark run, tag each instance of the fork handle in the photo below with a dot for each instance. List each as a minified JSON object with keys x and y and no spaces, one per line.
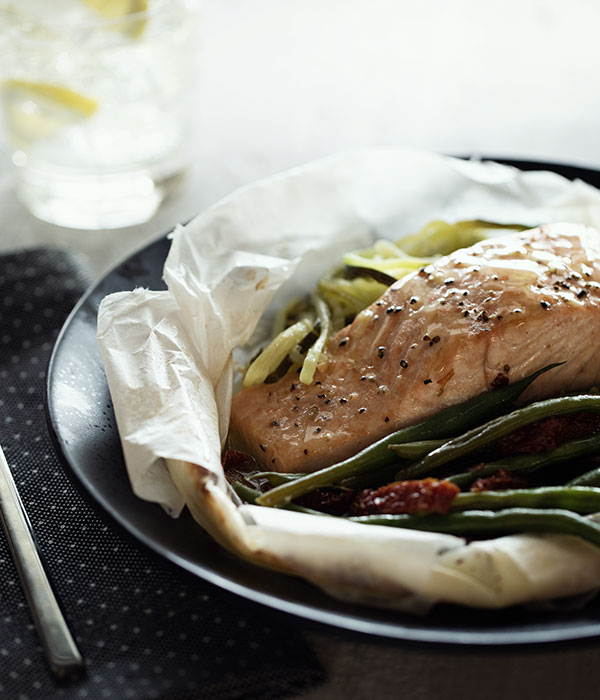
{"x":59,"y":647}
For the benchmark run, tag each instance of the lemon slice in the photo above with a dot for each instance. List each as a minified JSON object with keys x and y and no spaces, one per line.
{"x":35,"y":111}
{"x":113,"y":9}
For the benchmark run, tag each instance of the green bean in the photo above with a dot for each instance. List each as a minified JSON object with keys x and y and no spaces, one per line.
{"x":354,"y":482}
{"x":498,"y":427}
{"x":482,"y":522}
{"x":591,"y":478}
{"x":578,"y":499}
{"x":245,"y":492}
{"x":444,"y":424}
{"x":374,"y":477}
{"x":276,"y":478}
{"x":378,"y":477}
{"x":417,"y":449}
{"x":250,"y":495}
{"x":571,"y":449}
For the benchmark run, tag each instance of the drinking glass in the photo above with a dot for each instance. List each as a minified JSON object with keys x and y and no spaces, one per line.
{"x":96,"y":98}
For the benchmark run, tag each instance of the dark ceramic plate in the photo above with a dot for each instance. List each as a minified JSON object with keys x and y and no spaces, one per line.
{"x":83,"y":424}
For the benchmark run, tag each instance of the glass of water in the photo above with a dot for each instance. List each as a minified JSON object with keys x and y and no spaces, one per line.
{"x":96,"y":98}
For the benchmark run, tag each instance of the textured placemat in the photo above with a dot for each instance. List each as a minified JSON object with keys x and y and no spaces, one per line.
{"x":145,"y":628}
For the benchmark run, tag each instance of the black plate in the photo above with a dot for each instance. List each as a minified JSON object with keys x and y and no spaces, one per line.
{"x":82,"y":420}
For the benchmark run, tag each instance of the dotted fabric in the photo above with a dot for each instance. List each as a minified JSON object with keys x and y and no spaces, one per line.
{"x":145,"y":628}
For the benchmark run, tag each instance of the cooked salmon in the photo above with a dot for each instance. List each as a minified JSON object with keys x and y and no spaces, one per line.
{"x":472,"y":321}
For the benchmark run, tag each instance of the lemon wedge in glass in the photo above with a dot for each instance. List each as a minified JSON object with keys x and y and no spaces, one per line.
{"x":114,"y":9}
{"x":35,"y":111}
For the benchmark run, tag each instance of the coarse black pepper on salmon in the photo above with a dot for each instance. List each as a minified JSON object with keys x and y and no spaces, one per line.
{"x":473,"y":320}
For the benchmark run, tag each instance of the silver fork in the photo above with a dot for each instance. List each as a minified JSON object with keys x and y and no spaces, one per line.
{"x":59,"y":647}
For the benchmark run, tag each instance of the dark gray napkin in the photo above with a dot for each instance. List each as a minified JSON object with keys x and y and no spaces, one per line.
{"x":145,"y":628}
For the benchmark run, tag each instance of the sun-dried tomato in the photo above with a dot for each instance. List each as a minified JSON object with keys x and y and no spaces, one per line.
{"x":420,"y":496}
{"x":499,"y":481}
{"x":238,"y":461}
{"x":328,"y":499}
{"x":547,"y":434}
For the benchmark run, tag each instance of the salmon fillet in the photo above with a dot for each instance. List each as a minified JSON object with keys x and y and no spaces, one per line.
{"x":473,"y":320}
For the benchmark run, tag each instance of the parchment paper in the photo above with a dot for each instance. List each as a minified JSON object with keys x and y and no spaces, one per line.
{"x":168,"y":360}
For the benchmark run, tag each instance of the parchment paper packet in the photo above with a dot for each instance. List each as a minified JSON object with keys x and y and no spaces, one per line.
{"x":168,"y":360}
